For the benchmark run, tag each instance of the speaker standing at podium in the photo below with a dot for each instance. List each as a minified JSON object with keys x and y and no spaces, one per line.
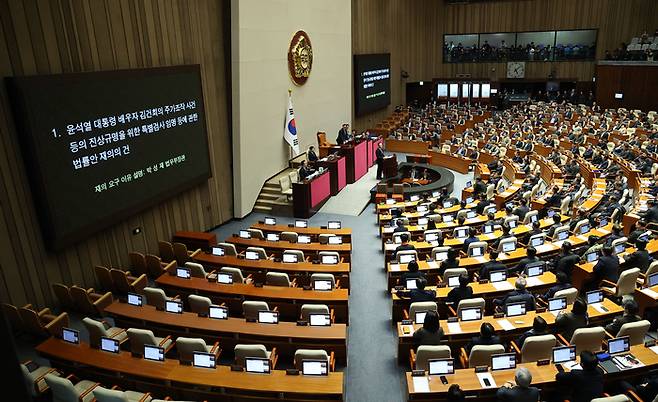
{"x":343,"y":135}
{"x":379,"y":154}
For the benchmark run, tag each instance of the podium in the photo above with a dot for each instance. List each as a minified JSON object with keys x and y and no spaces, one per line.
{"x":309,"y":195}
{"x":356,"y":154}
{"x":335,"y":166}
{"x":390,"y":166}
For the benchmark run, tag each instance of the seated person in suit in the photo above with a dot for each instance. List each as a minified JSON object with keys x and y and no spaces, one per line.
{"x":640,"y":229}
{"x":566,"y":260}
{"x":506,"y":234}
{"x":492,"y":265}
{"x":479,"y":187}
{"x":304,"y":171}
{"x":646,"y":388}
{"x":557,"y":222}
{"x":519,"y":294}
{"x":311,"y":156}
{"x":630,"y":315}
{"x":430,"y":333}
{"x":562,"y":283}
{"x":592,"y":246}
{"x":639,"y":258}
{"x":412,"y":273}
{"x":452,"y":261}
{"x":522,"y":391}
{"x":491,"y":220}
{"x":472,"y":238}
{"x":461,"y":292}
{"x":482,"y":203}
{"x":404,"y":237}
{"x":607,"y":267}
{"x":567,"y":322}
{"x":616,"y":234}
{"x":399,"y":226}
{"x":651,"y":215}
{"x":583,"y":384}
{"x":419,"y":294}
{"x":531,"y":258}
{"x":539,"y":327}
{"x":487,"y":337}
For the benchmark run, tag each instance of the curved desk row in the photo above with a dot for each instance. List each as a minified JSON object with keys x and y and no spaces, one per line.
{"x":186,"y":382}
{"x":279,"y":247}
{"x":285,"y":336}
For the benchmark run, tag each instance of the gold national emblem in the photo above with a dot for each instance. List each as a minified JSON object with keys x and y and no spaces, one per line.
{"x":300,"y":58}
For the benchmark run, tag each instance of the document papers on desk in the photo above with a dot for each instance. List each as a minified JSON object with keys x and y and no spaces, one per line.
{"x":598,"y":307}
{"x":394,"y":267}
{"x":502,"y":285}
{"x":654,"y":349}
{"x":572,"y":365}
{"x":534,"y":281}
{"x":506,"y":325}
{"x":454,"y":328}
{"x":421,"y":384}
{"x":433,"y":264}
{"x":650,"y":292}
{"x":490,"y":380}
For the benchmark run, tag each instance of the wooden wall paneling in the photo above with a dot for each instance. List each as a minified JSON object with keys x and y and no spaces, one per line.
{"x":38,"y":37}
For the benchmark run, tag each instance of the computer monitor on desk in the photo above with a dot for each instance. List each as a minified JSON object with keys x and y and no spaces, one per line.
{"x":315,"y":367}
{"x":470,"y":314}
{"x":319,"y":320}
{"x":218,"y":312}
{"x":563,"y":354}
{"x":270,"y":221}
{"x":595,"y":296}
{"x":619,"y":345}
{"x":135,"y":299}
{"x":153,"y":352}
{"x":301,"y":223}
{"x":557,"y":304}
{"x":204,"y":360}
{"x":259,"y":365}
{"x":515,"y":309}
{"x":498,"y":276}
{"x":440,"y":366}
{"x":503,"y":361}
{"x":218,"y":251}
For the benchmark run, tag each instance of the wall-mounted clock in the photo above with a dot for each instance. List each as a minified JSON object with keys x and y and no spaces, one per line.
{"x":516,"y":69}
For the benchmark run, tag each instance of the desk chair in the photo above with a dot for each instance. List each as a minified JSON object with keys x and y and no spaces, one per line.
{"x":13,"y":316}
{"x":256,"y":234}
{"x":199,"y":304}
{"x":35,"y":379}
{"x":43,"y":323}
{"x":98,"y":329}
{"x":140,"y":337}
{"x":260,"y":251}
{"x":418,"y":359}
{"x":286,"y":187}
{"x":564,"y":206}
{"x":535,"y":348}
{"x":291,"y":237}
{"x":468,"y":303}
{"x":196,"y":270}
{"x":506,"y":241}
{"x":396,"y":235}
{"x":433,"y":231}
{"x":438,"y":250}
{"x":124,"y":282}
{"x":278,"y":279}
{"x":323,"y":238}
{"x":458,"y":229}
{"x":586,"y":339}
{"x":452,"y":272}
{"x":644,"y":278}
{"x":490,"y":191}
{"x":579,"y":224}
{"x":536,"y":236}
{"x":243,"y":351}
{"x":250,"y":309}
{"x":102,"y":274}
{"x":166,"y":250}
{"x":229,"y":249}
{"x":157,"y":297}
{"x":398,"y":192}
{"x":187,"y":346}
{"x":294,"y":176}
{"x":475,"y":245}
{"x":418,"y":307}
{"x":298,"y":253}
{"x":480,"y":355}
{"x":308,"y":309}
{"x":155,"y":266}
{"x":625,"y":286}
{"x":326,"y":277}
{"x":406,"y":252}
{"x":334,"y":253}
{"x":381,"y":195}
{"x":182,"y":254}
{"x":88,"y":302}
{"x":116,"y":395}
{"x":138,"y":263}
{"x":635,"y":330}
{"x":63,"y":294}
{"x":511,"y":218}
{"x":64,"y":390}
{"x":313,"y":354}
{"x":558,"y":230}
{"x":528,"y":217}
{"x":570,"y":293}
{"x":235,"y":272}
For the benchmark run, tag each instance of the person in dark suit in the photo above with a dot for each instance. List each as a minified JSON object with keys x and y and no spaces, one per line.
{"x":584,"y":384}
{"x":343,"y":134}
{"x":557,"y":222}
{"x":479,"y":187}
{"x":482,"y":203}
{"x":640,"y":229}
{"x":455,"y":394}
{"x":562,"y":283}
{"x":487,"y":337}
{"x":379,"y":154}
{"x":630,"y":315}
{"x":472,"y":238}
{"x":399,"y":226}
{"x":461,"y":292}
{"x":451,"y":262}
{"x":616,"y":234}
{"x":519,"y":294}
{"x":607,"y":267}
{"x":419,"y":294}
{"x":566,"y":260}
{"x":522,"y":391}
{"x":430,"y":333}
{"x":539,"y":327}
{"x":304,"y":171}
{"x":412,"y":273}
{"x":405,"y":244}
{"x":651,"y":215}
{"x":640,"y":258}
{"x":522,"y":209}
{"x":567,"y":322}
{"x":492,"y":265}
{"x":531,"y":258}
{"x":506,"y":234}
{"x":311,"y":156}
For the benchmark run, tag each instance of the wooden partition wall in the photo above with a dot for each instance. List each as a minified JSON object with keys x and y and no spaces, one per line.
{"x":636,"y":82}
{"x":59,"y":36}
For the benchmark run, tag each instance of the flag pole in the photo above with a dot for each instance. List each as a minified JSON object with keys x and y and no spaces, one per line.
{"x":289,"y":146}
